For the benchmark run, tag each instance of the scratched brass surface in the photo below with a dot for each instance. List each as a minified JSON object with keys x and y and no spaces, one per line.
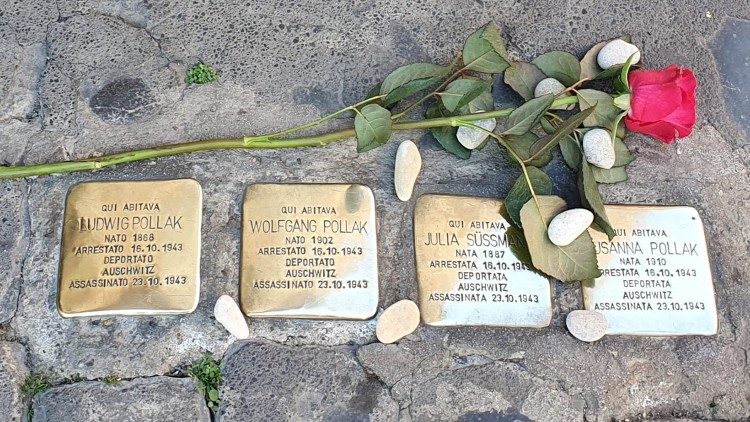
{"x":657,"y":277}
{"x":466,"y":271}
{"x":130,"y":248}
{"x":309,"y":251}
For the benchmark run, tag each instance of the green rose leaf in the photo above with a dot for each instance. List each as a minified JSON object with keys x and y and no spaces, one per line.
{"x":522,"y":147}
{"x":410,"y":79}
{"x":525,"y":117}
{"x":592,"y":199}
{"x":372,"y":126}
{"x":623,"y":157}
{"x":484,"y":102}
{"x":589,"y":63}
{"x":571,"y":152}
{"x":520,"y":194}
{"x":605,"y":111}
{"x":523,"y":78}
{"x":484,"y":51}
{"x":461,"y":91}
{"x":560,"y":65}
{"x":566,"y":128}
{"x":574,"y":262}
{"x":446,"y":136}
{"x":613,"y":175}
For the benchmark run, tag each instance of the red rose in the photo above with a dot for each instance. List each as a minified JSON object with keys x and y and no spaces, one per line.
{"x":662,"y":103}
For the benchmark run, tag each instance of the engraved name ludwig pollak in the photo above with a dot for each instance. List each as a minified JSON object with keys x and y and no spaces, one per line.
{"x":466,"y":271}
{"x":656,"y":278}
{"x":309,"y":251}
{"x":130,"y":248}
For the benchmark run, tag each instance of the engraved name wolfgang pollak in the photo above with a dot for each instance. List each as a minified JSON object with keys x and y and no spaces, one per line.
{"x":309,"y":236}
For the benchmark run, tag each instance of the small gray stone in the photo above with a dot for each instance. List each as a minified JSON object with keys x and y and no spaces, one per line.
{"x":617,"y":52}
{"x":568,"y":225}
{"x":228,"y":314}
{"x":264,"y":381}
{"x":13,"y":372}
{"x":586,"y":326}
{"x":142,"y":399}
{"x":471,"y":137}
{"x":408,"y":165}
{"x":548,"y":86}
{"x":598,"y":148}
{"x":397,"y":321}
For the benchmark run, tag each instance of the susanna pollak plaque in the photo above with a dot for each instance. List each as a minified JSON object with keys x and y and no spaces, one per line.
{"x":309,"y":251}
{"x":130,"y":248}
{"x":656,"y":277}
{"x":466,"y":271}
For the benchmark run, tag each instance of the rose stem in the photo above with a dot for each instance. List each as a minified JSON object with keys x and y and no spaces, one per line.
{"x":248,"y":142}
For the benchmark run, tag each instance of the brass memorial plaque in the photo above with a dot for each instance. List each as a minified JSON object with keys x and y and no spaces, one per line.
{"x":466,"y":271}
{"x":656,"y":274}
{"x":130,"y":248}
{"x":309,"y":251}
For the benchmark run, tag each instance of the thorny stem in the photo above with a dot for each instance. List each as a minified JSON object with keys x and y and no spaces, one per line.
{"x":267,"y":141}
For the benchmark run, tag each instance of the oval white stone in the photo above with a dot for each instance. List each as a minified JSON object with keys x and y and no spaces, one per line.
{"x":408,"y":165}
{"x":471,"y":137}
{"x":616,"y":52}
{"x":598,"y":148}
{"x":568,"y":225}
{"x":552,"y":86}
{"x":230,"y":316}
{"x":587,"y":325}
{"x":548,"y":86}
{"x":398,"y":321}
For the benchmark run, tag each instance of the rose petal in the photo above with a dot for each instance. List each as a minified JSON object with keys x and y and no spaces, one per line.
{"x":651,"y":103}
{"x":663,"y":131}
{"x":684,"y":116}
{"x":687,"y":81}
{"x":639,"y":78}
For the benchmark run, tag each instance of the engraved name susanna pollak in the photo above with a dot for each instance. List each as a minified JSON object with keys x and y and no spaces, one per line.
{"x":646,"y":264}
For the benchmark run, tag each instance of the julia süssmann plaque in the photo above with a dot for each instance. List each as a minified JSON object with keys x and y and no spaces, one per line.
{"x":130,"y":248}
{"x":466,"y":271}
{"x":309,"y":251}
{"x":656,"y":274}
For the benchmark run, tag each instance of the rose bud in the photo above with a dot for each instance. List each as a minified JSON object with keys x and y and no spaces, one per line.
{"x":662,"y":103}
{"x":616,"y":53}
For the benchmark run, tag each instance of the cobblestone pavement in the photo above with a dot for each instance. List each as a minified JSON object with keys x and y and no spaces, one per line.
{"x":80,"y":78}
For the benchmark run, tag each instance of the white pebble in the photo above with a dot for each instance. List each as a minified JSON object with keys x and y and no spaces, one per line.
{"x":408,"y":165}
{"x":598,"y":148}
{"x":587,"y":325}
{"x":568,"y":225}
{"x":554,"y":87}
{"x":616,"y":53}
{"x":471,"y":137}
{"x":398,"y":321}
{"x":230,"y":316}
{"x":548,"y":86}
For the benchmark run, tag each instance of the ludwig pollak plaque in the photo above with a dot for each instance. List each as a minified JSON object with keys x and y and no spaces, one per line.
{"x":656,"y":277}
{"x":130,"y":248}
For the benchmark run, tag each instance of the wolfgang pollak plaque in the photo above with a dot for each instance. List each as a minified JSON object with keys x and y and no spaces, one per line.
{"x":130,"y":248}
{"x":309,"y":251}
{"x":656,"y":277}
{"x":466,"y":271}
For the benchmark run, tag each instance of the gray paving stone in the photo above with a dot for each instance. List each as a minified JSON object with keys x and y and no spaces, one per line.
{"x":144,"y":399}
{"x":264,"y":381}
{"x":283,"y":64}
{"x":13,"y":372}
